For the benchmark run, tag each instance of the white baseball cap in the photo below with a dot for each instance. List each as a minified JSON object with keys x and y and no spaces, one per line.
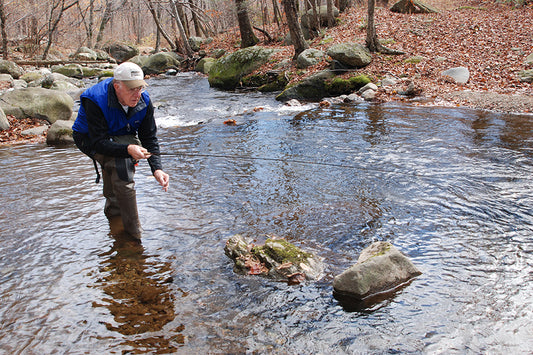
{"x":131,"y":74}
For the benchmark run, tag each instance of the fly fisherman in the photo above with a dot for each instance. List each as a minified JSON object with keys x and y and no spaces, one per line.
{"x":116,"y":127}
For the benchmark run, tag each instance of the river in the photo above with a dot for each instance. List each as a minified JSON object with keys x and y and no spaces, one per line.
{"x":449,"y":187}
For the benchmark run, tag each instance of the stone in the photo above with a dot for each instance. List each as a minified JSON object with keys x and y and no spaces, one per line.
{"x":121,"y":52}
{"x":35,"y":131}
{"x":41,"y":103}
{"x":529,"y":59}
{"x":353,"y":98}
{"x":369,"y":86}
{"x":11,"y":68}
{"x":350,"y":55}
{"x":70,"y":70}
{"x":60,"y":132}
{"x":309,"y":57}
{"x":368,"y":95}
{"x":4,"y":122}
{"x":204,"y":65}
{"x":459,"y":75}
{"x":526,"y":75}
{"x":381,"y":268}
{"x":310,"y":88}
{"x":160,"y":62}
{"x":228,"y":71}
{"x":276,"y":259}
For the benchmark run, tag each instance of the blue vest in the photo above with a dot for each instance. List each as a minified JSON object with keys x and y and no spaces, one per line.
{"x":117,"y":122}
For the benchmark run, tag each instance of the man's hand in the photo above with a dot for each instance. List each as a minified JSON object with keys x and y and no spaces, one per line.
{"x":162,"y":178}
{"x":137,"y":152}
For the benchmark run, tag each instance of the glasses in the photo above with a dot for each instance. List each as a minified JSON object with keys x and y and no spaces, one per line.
{"x":137,"y":90}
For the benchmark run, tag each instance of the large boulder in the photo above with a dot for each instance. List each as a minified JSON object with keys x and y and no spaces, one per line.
{"x":309,"y":57}
{"x":526,"y":75}
{"x":204,"y":65}
{"x":41,"y":103}
{"x":8,"y":67}
{"x":322,"y":16}
{"x":160,"y":62}
{"x":227,"y":72}
{"x":60,"y":132}
{"x":350,"y":55}
{"x":85,"y":53}
{"x":459,"y":75}
{"x":70,"y":70}
{"x":121,"y":52}
{"x":277,"y":259}
{"x":310,"y":88}
{"x":381,"y":268}
{"x":4,"y":122}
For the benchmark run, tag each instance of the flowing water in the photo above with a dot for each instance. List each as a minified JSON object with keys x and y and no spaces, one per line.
{"x":449,"y":187}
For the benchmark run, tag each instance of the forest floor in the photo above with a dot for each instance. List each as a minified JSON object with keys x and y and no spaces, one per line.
{"x":492,"y":39}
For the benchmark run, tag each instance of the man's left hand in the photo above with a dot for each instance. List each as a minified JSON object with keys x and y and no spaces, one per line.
{"x":162,"y":178}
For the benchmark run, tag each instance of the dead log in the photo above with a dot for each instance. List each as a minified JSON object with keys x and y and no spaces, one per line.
{"x":412,"y":7}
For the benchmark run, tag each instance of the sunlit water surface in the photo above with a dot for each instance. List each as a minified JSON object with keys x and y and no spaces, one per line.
{"x":450,"y":188}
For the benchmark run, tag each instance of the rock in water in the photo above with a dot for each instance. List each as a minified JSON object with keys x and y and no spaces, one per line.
{"x":381,"y":268}
{"x":277,"y":259}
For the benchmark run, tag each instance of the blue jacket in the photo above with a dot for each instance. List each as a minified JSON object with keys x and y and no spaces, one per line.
{"x":117,"y":121}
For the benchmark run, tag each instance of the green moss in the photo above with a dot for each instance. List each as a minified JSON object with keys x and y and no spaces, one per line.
{"x":283,"y":252}
{"x":338,"y":86}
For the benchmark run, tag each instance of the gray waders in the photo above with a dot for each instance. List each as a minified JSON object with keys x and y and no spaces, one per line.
{"x":119,"y":188}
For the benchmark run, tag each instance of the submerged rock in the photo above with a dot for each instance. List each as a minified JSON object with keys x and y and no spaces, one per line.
{"x":277,"y":259}
{"x":381,"y":268}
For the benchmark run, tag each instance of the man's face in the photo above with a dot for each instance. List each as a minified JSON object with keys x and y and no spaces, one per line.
{"x":128,"y":96}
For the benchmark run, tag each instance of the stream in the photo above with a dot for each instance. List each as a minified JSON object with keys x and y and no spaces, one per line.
{"x":449,"y":187}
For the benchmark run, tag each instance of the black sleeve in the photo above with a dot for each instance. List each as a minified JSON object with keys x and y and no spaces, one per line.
{"x":147,"y":135}
{"x":100,"y":140}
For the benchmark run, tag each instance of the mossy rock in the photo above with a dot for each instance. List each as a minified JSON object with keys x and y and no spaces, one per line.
{"x":228,"y":71}
{"x":339,"y":86}
{"x":311,"y":88}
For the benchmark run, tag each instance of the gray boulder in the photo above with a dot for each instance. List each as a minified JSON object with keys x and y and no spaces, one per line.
{"x":205,"y":64}
{"x":228,"y":71}
{"x":350,"y":55}
{"x":6,"y":81}
{"x":195,"y":43}
{"x":4,"y":122}
{"x":8,"y":67}
{"x":159,"y":63}
{"x":85,"y":53}
{"x":381,"y":268}
{"x":60,"y":132}
{"x":459,"y":75}
{"x":41,"y":103}
{"x":277,"y":259}
{"x":309,"y":57}
{"x":529,"y":59}
{"x":311,"y":88}
{"x":526,"y":75}
{"x":121,"y":52}
{"x":70,"y":70}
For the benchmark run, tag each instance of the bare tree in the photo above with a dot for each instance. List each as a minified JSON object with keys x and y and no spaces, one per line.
{"x":186,"y":46}
{"x":108,"y":15}
{"x":57,"y":10}
{"x":372,"y":41}
{"x":156,"y":17}
{"x":88,"y":23}
{"x":297,"y":37}
{"x":3,"y":29}
{"x":248,"y":37}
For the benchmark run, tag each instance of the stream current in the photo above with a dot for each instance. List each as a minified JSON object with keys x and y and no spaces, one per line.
{"x":449,"y":187}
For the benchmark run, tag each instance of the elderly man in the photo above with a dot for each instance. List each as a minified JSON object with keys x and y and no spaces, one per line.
{"x":116,"y":127}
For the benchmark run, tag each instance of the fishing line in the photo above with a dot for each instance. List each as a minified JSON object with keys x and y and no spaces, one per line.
{"x":296,"y":161}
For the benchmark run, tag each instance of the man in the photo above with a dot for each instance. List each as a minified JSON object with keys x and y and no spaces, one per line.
{"x":116,"y":127}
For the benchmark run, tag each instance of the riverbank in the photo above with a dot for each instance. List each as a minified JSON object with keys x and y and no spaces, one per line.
{"x":492,"y":40}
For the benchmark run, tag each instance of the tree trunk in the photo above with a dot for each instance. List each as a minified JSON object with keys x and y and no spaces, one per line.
{"x":195,"y":20}
{"x":372,"y":42}
{"x":277,"y":13}
{"x":186,"y":46}
{"x":3,"y":29}
{"x":297,"y":37}
{"x":248,"y":37}
{"x":54,"y":22}
{"x":331,"y":18}
{"x":155,"y":15}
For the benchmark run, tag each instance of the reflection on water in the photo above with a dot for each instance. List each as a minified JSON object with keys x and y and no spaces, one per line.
{"x":450,"y":188}
{"x":139,"y":297}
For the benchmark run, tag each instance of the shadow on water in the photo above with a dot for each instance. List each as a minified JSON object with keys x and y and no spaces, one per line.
{"x":140,"y":298}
